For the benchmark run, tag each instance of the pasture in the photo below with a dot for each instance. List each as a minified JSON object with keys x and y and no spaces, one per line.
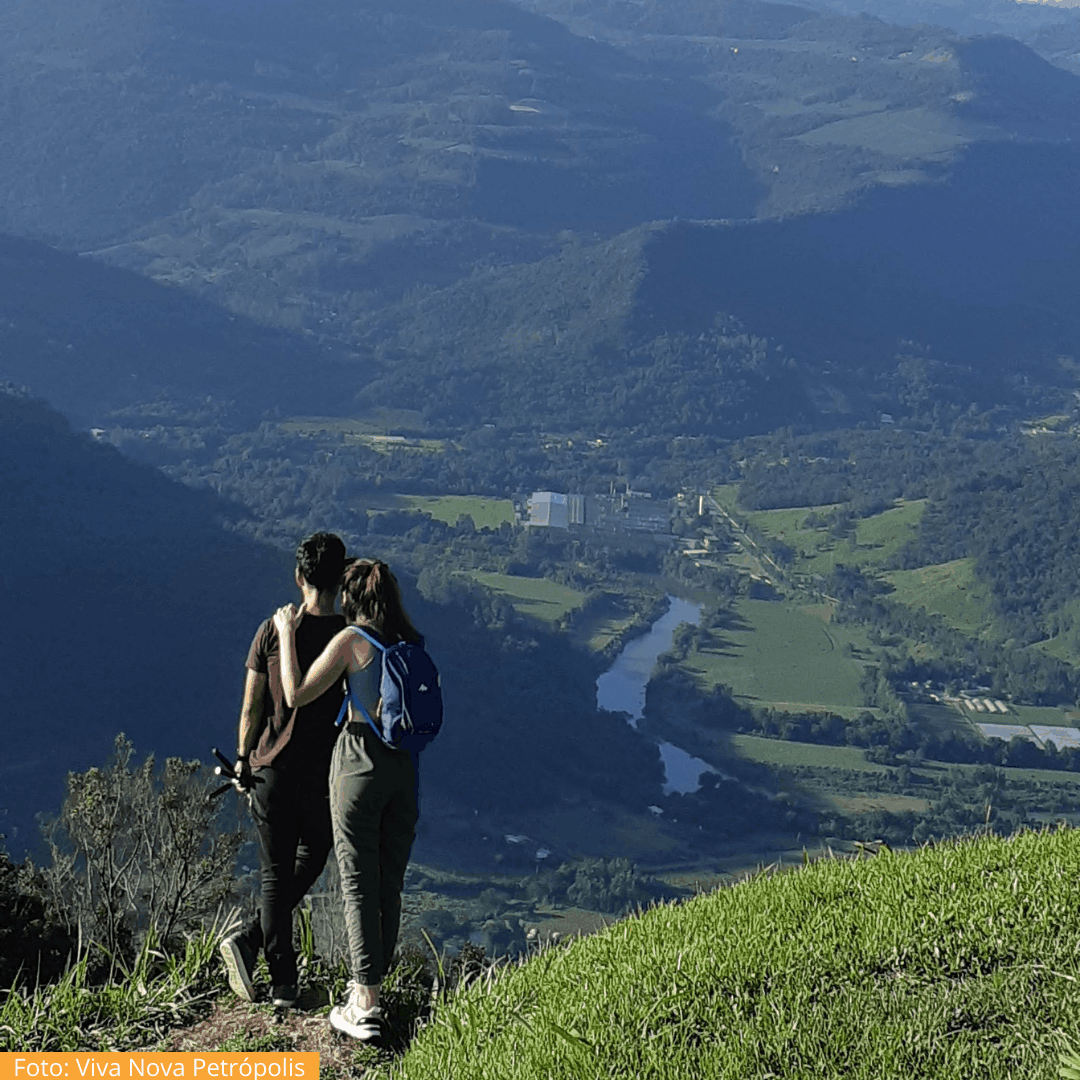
{"x":375,"y":422}
{"x":1036,"y":714}
{"x":607,"y":620}
{"x":485,"y":513}
{"x":917,"y":132}
{"x":876,"y":539}
{"x":785,"y":656}
{"x":786,"y":754}
{"x":950,"y":590}
{"x":538,"y":598}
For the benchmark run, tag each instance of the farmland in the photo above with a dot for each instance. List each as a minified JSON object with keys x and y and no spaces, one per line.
{"x":537,"y":597}
{"x":485,"y":513}
{"x":950,"y":590}
{"x":782,"y":753}
{"x":912,"y":132}
{"x":876,"y":539}
{"x":782,"y":655}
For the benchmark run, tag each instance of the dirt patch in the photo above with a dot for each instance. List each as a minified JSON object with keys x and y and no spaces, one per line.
{"x":263,"y":1028}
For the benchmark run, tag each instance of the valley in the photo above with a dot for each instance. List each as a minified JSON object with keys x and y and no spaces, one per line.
{"x":786,"y":297}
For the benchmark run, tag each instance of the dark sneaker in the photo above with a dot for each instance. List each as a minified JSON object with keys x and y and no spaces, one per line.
{"x":362,"y":1024}
{"x":239,"y":964}
{"x":285,"y":997}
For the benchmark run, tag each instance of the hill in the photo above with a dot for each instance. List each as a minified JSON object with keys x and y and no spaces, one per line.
{"x":941,"y":963}
{"x":468,"y":187}
{"x":98,"y":341}
{"x":691,"y":328}
{"x":130,"y":608}
{"x":952,"y":961}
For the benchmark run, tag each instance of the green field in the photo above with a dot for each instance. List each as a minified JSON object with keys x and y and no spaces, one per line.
{"x":897,"y":133}
{"x":1032,"y":714}
{"x":606,"y":621}
{"x":877,"y":539}
{"x":727,"y":496}
{"x":486,"y":513}
{"x":950,"y":590}
{"x":537,"y":597}
{"x":376,"y":422}
{"x":786,"y":754}
{"x":784,"y":656}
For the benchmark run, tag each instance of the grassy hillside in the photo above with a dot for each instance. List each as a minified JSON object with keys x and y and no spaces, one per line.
{"x":951,"y":590}
{"x":954,"y":961}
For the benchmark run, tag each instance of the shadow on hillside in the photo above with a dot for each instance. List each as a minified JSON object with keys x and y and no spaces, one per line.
{"x":93,"y":338}
{"x":679,"y":165}
{"x":983,"y":268}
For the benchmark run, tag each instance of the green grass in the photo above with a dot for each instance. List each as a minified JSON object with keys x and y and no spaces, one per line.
{"x":877,"y":539}
{"x":131,"y":1010}
{"x":785,"y":753}
{"x":891,"y":530}
{"x":783,"y":655}
{"x":1029,"y":714}
{"x":896,"y":133}
{"x":950,"y":590}
{"x":787,"y":523}
{"x":727,"y":495}
{"x":537,"y":597}
{"x":486,"y":513}
{"x":606,"y":623}
{"x":952,"y":962}
{"x":377,"y":422}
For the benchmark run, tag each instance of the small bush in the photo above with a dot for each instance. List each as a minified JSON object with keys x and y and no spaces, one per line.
{"x":138,"y":851}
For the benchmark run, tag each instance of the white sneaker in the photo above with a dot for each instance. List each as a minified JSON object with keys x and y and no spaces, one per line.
{"x":350,"y":1018}
{"x":239,"y":964}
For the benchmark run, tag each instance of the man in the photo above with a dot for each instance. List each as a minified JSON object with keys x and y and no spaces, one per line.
{"x":283,"y":761}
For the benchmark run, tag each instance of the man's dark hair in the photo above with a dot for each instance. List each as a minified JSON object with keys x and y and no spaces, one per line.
{"x":321,"y":559}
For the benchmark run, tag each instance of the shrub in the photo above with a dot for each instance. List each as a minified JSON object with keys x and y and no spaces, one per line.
{"x":137,"y":851}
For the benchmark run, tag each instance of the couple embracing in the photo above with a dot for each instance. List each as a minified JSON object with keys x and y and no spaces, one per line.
{"x":313,"y":785}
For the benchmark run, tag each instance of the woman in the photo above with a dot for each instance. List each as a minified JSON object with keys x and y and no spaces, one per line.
{"x":373,"y":789}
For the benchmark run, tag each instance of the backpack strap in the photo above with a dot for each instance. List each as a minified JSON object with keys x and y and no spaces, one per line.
{"x":342,"y":712}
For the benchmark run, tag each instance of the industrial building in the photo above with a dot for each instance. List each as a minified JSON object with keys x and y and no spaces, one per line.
{"x":613,"y":515}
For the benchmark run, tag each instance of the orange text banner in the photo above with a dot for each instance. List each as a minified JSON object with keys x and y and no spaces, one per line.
{"x":136,"y":1065}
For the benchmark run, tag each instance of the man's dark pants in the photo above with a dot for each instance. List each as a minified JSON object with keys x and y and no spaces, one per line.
{"x":291,"y":811}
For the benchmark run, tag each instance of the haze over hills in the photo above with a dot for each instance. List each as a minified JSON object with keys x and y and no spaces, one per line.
{"x":348,"y":192}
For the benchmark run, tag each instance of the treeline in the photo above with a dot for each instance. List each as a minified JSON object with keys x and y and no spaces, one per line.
{"x":965,"y":802}
{"x":1016,"y":517}
{"x":866,"y":468}
{"x":953,"y":659}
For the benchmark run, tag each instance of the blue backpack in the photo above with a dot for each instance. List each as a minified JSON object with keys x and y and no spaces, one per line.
{"x":410,"y":705}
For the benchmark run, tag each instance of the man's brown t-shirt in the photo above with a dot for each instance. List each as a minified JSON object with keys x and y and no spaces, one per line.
{"x":303,"y":738}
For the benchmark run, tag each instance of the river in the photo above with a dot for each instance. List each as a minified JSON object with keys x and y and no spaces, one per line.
{"x":622,"y":689}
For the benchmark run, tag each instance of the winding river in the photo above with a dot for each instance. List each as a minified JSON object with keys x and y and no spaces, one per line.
{"x":622,"y":689}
